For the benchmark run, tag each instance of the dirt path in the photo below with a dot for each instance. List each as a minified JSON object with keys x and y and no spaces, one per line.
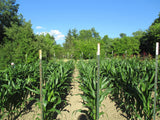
{"x":75,"y":103}
{"x":110,"y":111}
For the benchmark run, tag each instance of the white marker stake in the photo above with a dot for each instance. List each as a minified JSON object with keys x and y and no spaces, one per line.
{"x":155,"y":82}
{"x":40,"y":54}
{"x":157,"y":48}
{"x":97,"y":84}
{"x":98,"y":52}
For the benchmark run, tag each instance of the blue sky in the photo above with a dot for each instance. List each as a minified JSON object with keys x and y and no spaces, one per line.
{"x":108,"y":17}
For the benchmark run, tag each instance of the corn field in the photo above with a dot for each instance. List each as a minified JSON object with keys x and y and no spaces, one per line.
{"x":128,"y":82}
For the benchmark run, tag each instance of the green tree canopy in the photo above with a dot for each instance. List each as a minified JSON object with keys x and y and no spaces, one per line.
{"x":152,"y":35}
{"x":157,"y":20}
{"x":81,"y":43}
{"x":108,"y":42}
{"x":85,"y":35}
{"x":18,"y":45}
{"x":8,"y":15}
{"x":88,"y":34}
{"x":46,"y":44}
{"x":87,"y":49}
{"x":138,"y":34}
{"x":69,"y":39}
{"x":122,"y":35}
{"x":126,"y":45}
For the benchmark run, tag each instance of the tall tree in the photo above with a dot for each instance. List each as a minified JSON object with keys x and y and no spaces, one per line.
{"x":74,"y":33}
{"x":122,"y":35}
{"x":89,"y":34}
{"x":8,"y":15}
{"x":68,"y":40}
{"x":124,"y":45}
{"x":157,"y":20}
{"x":152,"y":35}
{"x":107,"y":44}
{"x":85,"y":35}
{"x":95,"y":34}
{"x":18,"y":44}
{"x":138,"y":34}
{"x":46,"y":43}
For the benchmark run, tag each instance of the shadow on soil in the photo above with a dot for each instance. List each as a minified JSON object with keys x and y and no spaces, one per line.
{"x":125,"y":112}
{"x":118,"y":105}
{"x":27,"y":108}
{"x":82,"y":117}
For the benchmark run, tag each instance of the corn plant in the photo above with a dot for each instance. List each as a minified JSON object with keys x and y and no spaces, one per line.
{"x":88,"y":78}
{"x":56,"y":89}
{"x":14,"y":93}
{"x":57,"y":78}
{"x":133,"y":83}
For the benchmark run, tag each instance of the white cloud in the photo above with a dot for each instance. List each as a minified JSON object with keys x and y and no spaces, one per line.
{"x":59,"y":37}
{"x":39,"y":27}
{"x":56,"y":33}
{"x":41,"y":33}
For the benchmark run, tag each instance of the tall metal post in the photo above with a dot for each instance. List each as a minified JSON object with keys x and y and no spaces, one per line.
{"x":155,"y":83}
{"x":40,"y":70}
{"x":98,"y":76}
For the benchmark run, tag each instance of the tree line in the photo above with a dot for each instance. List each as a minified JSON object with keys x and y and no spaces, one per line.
{"x":18,"y":42}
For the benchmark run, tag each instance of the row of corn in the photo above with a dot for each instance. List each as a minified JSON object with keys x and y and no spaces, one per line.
{"x":19,"y":84}
{"x":129,"y":82}
{"x":133,"y":86}
{"x":88,"y":83}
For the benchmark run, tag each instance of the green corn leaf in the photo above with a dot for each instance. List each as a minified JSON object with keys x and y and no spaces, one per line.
{"x":53,"y":99}
{"x":45,"y":102}
{"x":50,"y":95}
{"x":33,"y":90}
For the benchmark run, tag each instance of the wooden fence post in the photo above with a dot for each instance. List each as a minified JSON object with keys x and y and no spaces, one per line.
{"x":41,"y":94}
